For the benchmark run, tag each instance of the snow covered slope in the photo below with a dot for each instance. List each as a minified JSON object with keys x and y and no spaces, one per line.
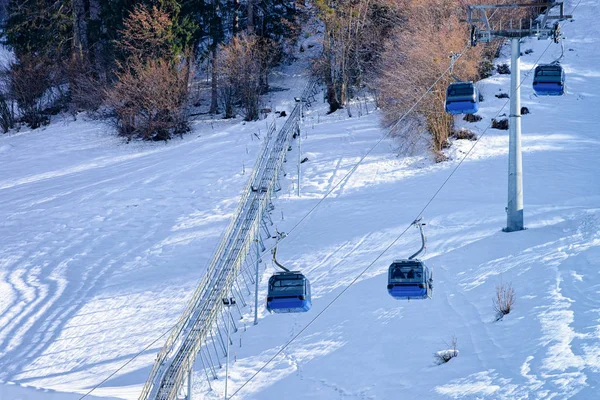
{"x":368,"y":346}
{"x":102,"y":244}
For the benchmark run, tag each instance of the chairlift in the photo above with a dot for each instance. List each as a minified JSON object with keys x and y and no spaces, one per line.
{"x":462,"y":98}
{"x":410,"y":278}
{"x":288,"y":291}
{"x":549,"y":80}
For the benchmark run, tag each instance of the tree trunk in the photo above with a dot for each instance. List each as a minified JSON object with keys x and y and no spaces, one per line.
{"x":97,"y":47}
{"x":334,"y":104}
{"x":332,"y":97}
{"x":80,"y":29}
{"x":236,"y":20}
{"x":214,"y":107}
{"x":250,"y":17}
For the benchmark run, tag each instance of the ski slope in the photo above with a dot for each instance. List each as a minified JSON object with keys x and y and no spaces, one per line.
{"x":104,"y":242}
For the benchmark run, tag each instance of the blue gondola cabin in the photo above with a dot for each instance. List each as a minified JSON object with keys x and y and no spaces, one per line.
{"x":462,"y":98}
{"x":289,"y":292}
{"x":409,"y":279}
{"x":549,"y":80}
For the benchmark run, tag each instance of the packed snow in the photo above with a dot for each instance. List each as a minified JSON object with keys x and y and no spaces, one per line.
{"x":103,"y":243}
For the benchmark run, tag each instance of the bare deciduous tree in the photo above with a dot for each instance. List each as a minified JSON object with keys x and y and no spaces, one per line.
{"x":417,"y":55}
{"x":242,"y":63}
{"x":354,"y":31}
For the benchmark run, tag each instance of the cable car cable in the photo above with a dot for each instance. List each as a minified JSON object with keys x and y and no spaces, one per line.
{"x":355,"y":166}
{"x":293,"y":228}
{"x":390,"y":130}
{"x":310,"y":211}
{"x":127,"y":362}
{"x":388,"y":246}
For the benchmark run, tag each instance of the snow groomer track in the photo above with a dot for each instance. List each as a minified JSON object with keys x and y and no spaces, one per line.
{"x":200,"y":317}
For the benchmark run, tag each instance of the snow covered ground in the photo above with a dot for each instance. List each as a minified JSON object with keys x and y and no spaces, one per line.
{"x":103,"y":242}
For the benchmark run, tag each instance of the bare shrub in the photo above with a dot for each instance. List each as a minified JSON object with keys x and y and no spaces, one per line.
{"x":443,"y":356}
{"x":412,"y":135}
{"x":501,"y":124}
{"x":30,"y":80}
{"x":150,"y":100}
{"x":504,"y":299}
{"x":464,"y":133}
{"x":503,"y":69}
{"x":241,"y":65}
{"x":440,"y":157}
{"x":87,"y":90}
{"x":472,"y":118}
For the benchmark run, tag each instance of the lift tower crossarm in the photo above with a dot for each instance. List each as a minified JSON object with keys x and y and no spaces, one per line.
{"x":477,"y":14}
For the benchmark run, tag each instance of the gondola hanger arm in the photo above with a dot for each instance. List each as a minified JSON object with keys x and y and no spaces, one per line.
{"x":280,"y":235}
{"x":420,"y":225}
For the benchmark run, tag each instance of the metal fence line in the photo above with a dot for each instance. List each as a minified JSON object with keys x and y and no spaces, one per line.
{"x":183,"y":344}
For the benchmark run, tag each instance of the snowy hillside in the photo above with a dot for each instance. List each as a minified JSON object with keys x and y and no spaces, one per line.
{"x":103,"y":242}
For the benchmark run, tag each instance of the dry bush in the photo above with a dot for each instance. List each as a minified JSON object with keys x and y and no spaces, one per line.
{"x":465,"y":134}
{"x":440,"y":157}
{"x":503,"y":69}
{"x":416,"y":55}
{"x":411,"y":136}
{"x":87,"y":90}
{"x":504,"y":299}
{"x":501,"y":124}
{"x":443,"y":356}
{"x":30,"y":80}
{"x":472,"y":118}
{"x":242,"y":67}
{"x":150,"y":99}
